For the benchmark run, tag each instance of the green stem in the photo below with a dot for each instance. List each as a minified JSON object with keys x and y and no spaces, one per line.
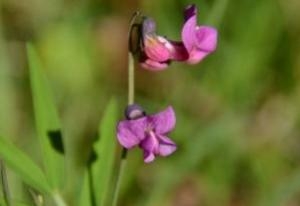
{"x":91,"y":185}
{"x":4,"y":181}
{"x":130,"y":79}
{"x":124,"y":151}
{"x":119,"y":177}
{"x":121,"y":167}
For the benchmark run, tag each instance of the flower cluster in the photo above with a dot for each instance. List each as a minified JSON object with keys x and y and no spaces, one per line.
{"x":149,"y":132}
{"x":197,"y":42}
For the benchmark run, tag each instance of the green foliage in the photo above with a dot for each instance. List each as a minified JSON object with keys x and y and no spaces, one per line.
{"x":16,"y":203}
{"x":106,"y":149}
{"x":46,"y":119}
{"x":86,"y":193}
{"x":29,"y":172}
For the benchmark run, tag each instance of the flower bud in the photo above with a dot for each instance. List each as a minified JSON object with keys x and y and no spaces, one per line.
{"x":134,"y":111}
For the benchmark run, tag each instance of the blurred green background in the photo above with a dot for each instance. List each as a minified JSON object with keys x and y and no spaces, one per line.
{"x":238,"y":113}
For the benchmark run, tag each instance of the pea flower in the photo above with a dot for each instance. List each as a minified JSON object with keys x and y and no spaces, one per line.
{"x":158,"y":51}
{"x":148,"y":132}
{"x":199,"y":41}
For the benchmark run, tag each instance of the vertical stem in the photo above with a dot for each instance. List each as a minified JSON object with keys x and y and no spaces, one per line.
{"x":119,"y":177}
{"x":130,"y":78}
{"x":124,"y":151}
{"x":121,"y":166}
{"x":91,"y":185}
{"x":4,"y":181}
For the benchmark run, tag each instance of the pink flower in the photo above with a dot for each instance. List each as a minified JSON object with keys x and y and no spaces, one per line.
{"x":197,"y":42}
{"x":149,"y":133}
{"x":156,"y":50}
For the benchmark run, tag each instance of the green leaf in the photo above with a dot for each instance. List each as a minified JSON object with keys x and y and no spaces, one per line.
{"x":105,"y":149}
{"x":29,"y":172}
{"x":47,"y":121}
{"x":85,"y":197}
{"x":14,"y":202}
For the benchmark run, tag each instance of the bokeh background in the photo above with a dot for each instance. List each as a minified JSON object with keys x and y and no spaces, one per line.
{"x":238,"y":113}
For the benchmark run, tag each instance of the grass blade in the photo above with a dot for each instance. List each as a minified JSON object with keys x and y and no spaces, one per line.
{"x":15,"y":203}
{"x":105,"y":149}
{"x":29,"y":172}
{"x":85,"y":198}
{"x":47,"y":121}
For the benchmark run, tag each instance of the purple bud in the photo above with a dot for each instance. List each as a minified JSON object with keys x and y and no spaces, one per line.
{"x":134,"y":111}
{"x":190,"y":11}
{"x":149,"y":26}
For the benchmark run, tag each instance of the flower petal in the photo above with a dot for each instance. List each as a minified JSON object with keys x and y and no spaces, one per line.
{"x":196,"y":56}
{"x":166,"y":146}
{"x":206,"y":38}
{"x":131,"y":132}
{"x":150,"y":143}
{"x":154,"y":65}
{"x":164,"y":121}
{"x":206,"y":43}
{"x":150,"y":146}
{"x":188,"y":32}
{"x":148,"y":157}
{"x":157,"y":48}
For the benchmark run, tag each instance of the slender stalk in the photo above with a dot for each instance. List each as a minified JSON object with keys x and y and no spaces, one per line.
{"x":119,"y":177}
{"x":130,"y":78}
{"x":121,"y":167}
{"x":91,"y":185}
{"x":4,"y":181}
{"x":124,"y":151}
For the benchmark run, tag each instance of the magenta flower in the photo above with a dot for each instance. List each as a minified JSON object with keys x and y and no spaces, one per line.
{"x":156,"y":50}
{"x":149,"y":133}
{"x":197,"y":42}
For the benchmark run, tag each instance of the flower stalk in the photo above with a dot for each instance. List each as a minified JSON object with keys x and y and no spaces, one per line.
{"x":130,"y":78}
{"x":130,"y":101}
{"x":124,"y":150}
